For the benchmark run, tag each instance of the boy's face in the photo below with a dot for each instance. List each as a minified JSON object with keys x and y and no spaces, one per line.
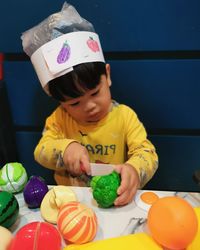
{"x":94,"y":105}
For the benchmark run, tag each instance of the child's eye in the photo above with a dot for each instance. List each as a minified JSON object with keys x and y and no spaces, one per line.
{"x":74,"y":104}
{"x":95,"y":93}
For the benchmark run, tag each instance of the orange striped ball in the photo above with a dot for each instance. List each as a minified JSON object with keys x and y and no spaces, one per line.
{"x":77,"y":223}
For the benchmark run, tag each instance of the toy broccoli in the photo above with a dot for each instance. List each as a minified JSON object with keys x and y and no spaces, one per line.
{"x":105,"y":189}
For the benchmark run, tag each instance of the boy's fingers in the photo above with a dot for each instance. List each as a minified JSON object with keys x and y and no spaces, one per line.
{"x":124,"y":182}
{"x":118,"y":168}
{"x":76,"y":167}
{"x":82,"y":167}
{"x":85,"y":165}
{"x":122,"y":199}
{"x":122,"y":188}
{"x":125,"y":197}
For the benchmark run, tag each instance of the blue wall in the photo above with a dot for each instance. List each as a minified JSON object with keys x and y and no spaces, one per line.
{"x":153,"y":47}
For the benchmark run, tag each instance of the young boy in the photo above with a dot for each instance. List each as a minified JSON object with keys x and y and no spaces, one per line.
{"x":88,"y":126}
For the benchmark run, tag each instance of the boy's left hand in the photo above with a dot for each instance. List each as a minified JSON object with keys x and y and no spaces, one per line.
{"x":130,"y":182}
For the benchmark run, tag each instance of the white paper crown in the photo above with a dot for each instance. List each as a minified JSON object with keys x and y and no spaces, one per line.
{"x":58,"y":56}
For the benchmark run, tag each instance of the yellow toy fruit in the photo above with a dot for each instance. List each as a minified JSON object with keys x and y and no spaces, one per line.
{"x":5,"y":238}
{"x":196,"y":242}
{"x":53,"y":200}
{"x":138,"y":241}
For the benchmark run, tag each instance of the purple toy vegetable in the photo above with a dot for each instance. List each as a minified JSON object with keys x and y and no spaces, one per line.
{"x":64,"y":53}
{"x":34,"y":191}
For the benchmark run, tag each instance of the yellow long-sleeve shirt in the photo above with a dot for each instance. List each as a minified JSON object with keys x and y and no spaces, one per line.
{"x":118,"y":138}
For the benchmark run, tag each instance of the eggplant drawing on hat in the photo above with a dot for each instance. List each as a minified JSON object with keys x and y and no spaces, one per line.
{"x":64,"y":53}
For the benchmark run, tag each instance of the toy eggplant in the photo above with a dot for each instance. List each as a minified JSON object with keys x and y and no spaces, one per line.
{"x":34,"y":191}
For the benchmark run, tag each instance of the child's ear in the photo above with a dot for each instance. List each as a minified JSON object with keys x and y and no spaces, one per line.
{"x":108,"y":74}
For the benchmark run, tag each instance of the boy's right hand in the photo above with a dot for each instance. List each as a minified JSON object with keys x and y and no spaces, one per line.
{"x":76,"y":158}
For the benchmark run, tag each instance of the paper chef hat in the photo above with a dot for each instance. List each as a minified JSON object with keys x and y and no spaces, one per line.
{"x":58,"y":56}
{"x":60,"y":42}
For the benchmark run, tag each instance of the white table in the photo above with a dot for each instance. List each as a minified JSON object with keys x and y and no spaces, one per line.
{"x":112,"y":222}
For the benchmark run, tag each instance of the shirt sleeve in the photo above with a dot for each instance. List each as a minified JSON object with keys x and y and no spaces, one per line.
{"x":50,"y":149}
{"x":141,"y":152}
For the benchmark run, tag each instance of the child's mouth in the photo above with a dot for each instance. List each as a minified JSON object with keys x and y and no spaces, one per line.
{"x":94,"y":118}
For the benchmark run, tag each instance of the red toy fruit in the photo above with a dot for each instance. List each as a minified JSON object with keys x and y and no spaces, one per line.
{"x":37,"y":236}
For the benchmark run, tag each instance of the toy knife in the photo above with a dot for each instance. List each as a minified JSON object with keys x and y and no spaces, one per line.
{"x":101,"y":169}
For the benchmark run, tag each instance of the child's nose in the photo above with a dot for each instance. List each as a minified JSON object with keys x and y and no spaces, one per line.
{"x":90,"y":105}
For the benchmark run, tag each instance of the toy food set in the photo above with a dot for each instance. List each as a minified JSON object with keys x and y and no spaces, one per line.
{"x":53,"y":200}
{"x":36,"y":236}
{"x":172,"y":222}
{"x":104,"y":189}
{"x":5,"y":238}
{"x":9,"y":209}
{"x":77,"y":222}
{"x":34,"y":191}
{"x":13,"y":177}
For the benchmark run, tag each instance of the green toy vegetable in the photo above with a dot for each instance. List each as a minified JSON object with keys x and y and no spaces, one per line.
{"x":105,"y":189}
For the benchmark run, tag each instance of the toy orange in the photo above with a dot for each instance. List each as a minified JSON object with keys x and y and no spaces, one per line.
{"x":172,"y":222}
{"x":77,"y":223}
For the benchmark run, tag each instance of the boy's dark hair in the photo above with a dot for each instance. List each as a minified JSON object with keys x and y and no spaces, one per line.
{"x":85,"y":76}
